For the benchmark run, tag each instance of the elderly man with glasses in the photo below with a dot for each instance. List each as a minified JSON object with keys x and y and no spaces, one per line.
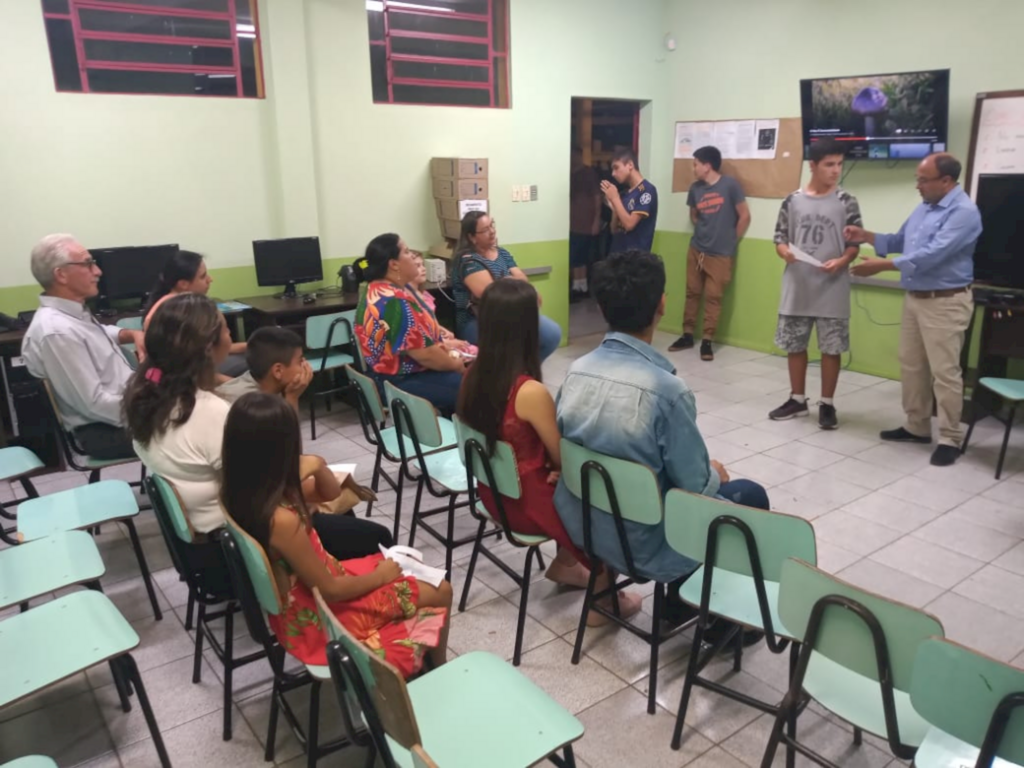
{"x":81,"y":358}
{"x":936,"y":268}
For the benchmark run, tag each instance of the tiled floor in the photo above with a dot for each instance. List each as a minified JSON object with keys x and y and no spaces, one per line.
{"x":948,"y":540}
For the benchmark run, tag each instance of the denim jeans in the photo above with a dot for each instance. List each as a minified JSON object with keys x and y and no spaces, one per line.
{"x":550,"y":335}
{"x":441,"y":388}
{"x":746,"y":493}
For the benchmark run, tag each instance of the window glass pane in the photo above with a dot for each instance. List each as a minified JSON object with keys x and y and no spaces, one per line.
{"x":437,"y":25}
{"x":379,"y":73}
{"x":441,"y":48}
{"x":217,"y":6}
{"x":63,"y":55}
{"x":376,"y":22}
{"x":245,"y":12}
{"x":55,"y":6}
{"x":155,"y":53}
{"x":117,"y":81}
{"x":439,"y":71}
{"x":247,"y":60}
{"x":419,"y":94}
{"x":147,"y":24}
{"x":462,"y":6}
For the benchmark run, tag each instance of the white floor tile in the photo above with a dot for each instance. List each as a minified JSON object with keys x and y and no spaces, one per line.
{"x":978,"y":626}
{"x":889,"y":582}
{"x":928,"y":562}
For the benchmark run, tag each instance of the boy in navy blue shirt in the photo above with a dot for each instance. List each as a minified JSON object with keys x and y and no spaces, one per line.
{"x":636,"y":212}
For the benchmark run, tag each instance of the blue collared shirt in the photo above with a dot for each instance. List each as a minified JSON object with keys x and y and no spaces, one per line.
{"x":937,"y":244}
{"x":624,"y":400}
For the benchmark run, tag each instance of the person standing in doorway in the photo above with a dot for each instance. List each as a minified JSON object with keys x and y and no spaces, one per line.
{"x":720,"y":216}
{"x":584,"y":222}
{"x":816,"y":287}
{"x":635,"y":214}
{"x":936,"y":269}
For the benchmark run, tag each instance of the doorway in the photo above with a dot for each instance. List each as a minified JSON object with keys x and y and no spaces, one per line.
{"x":600,"y":127}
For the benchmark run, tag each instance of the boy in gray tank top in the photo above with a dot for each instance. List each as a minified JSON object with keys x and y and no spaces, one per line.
{"x":812,"y":220}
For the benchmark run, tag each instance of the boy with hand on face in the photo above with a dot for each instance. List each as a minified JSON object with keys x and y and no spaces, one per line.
{"x":634,"y":214}
{"x":277,"y":366}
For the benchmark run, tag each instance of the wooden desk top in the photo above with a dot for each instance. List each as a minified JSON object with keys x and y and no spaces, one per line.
{"x":268,"y":305}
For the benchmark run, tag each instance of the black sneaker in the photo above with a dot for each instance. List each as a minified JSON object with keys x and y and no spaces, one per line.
{"x":706,"y":353}
{"x":788,"y":410}
{"x":683,"y":342}
{"x":901,"y":435}
{"x":827,"y":416}
{"x":945,"y":455}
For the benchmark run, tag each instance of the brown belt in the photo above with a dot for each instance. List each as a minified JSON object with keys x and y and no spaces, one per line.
{"x":943,"y":294}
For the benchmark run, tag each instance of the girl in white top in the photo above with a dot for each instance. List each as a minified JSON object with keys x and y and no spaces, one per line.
{"x":176,"y":422}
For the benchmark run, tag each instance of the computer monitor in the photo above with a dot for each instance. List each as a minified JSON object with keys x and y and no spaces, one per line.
{"x":287,"y":262}
{"x":130,"y":272}
{"x":999,"y":255}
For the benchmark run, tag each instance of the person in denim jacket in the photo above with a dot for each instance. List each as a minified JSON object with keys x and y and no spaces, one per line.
{"x":625,"y":400}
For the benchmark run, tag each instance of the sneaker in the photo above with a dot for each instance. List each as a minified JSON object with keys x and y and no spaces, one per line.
{"x":900,"y":435}
{"x":706,"y":353}
{"x":683,"y":342}
{"x":945,"y":455}
{"x":827,"y":416}
{"x":788,"y":410}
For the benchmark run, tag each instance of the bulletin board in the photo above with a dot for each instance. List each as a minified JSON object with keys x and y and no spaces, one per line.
{"x":997,"y":137}
{"x":759,"y":178}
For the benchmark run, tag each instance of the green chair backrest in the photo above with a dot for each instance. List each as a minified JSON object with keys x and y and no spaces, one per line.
{"x":370,"y":392}
{"x":318,"y":327}
{"x":258,"y":567}
{"x":957,"y":690}
{"x":688,"y":517}
{"x":636,"y":486}
{"x":384,"y":684}
{"x":503,"y":462}
{"x":421,"y":413}
{"x":844,"y":638}
{"x":173,"y":507}
{"x":420,"y":759}
{"x":131,"y":323}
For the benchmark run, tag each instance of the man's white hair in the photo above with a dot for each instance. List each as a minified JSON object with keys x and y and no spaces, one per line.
{"x":50,"y":252}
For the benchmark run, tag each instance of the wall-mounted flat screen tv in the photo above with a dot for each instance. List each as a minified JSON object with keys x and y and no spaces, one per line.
{"x":902,"y":116}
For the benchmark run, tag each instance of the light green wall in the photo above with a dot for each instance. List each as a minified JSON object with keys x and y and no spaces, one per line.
{"x":744,"y":58}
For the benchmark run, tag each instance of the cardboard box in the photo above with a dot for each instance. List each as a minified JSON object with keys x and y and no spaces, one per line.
{"x":442,"y":250}
{"x":457,"y":209}
{"x":450,"y":228}
{"x":460,"y":189}
{"x":458,"y":168}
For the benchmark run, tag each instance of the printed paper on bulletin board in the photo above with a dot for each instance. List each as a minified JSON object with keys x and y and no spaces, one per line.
{"x":759,"y":178}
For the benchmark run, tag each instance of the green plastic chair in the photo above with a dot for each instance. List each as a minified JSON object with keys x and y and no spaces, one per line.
{"x":373,"y":418}
{"x":440,"y":471}
{"x":31,"y":761}
{"x":743,"y":551}
{"x":1007,"y":391}
{"x":326,"y":336}
{"x":256,"y":590}
{"x":857,"y":659}
{"x":84,"y":508}
{"x":66,"y":636}
{"x":475,"y":710}
{"x":17,"y":463}
{"x":39,"y":567}
{"x":131,"y":324}
{"x":974,"y":704}
{"x":600,"y":481}
{"x":500,"y":473}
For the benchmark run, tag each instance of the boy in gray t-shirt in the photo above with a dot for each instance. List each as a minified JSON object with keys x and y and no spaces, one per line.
{"x":812,"y":220}
{"x":720,"y":216}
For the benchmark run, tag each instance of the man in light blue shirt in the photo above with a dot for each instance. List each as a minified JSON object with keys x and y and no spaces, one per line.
{"x":936,"y":269}
{"x":625,"y":400}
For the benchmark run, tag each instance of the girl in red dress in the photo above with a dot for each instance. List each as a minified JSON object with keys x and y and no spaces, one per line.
{"x":397,"y":617}
{"x":503,"y":398}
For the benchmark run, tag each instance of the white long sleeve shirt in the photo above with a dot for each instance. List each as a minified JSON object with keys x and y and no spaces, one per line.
{"x":82,"y":360}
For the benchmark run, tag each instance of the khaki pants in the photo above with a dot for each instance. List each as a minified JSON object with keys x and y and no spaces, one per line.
{"x":707,"y":276}
{"x":930,"y":342}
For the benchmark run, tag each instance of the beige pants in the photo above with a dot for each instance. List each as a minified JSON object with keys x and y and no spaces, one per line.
{"x":707,"y":276}
{"x":930,"y":342}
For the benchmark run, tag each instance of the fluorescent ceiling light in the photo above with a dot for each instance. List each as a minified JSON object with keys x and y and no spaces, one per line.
{"x":378,"y":5}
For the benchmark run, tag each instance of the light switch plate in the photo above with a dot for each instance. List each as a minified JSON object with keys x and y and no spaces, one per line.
{"x":533,"y":193}
{"x":516,"y":193}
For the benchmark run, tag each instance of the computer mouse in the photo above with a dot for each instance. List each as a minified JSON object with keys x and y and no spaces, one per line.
{"x":308,"y":299}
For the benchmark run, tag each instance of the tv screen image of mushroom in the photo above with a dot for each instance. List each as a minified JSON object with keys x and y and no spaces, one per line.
{"x":879,"y":117}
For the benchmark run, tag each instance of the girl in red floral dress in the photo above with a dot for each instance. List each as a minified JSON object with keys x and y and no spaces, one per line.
{"x":397,"y":617}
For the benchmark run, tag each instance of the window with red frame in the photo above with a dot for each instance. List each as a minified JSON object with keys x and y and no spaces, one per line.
{"x":448,"y":52}
{"x":174,"y":47}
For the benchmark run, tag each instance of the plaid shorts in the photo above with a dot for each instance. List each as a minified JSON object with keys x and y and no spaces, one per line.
{"x":793,"y":334}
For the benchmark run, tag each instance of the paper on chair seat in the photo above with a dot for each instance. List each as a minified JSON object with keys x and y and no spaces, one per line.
{"x":342,"y":471}
{"x":411,"y":562}
{"x":804,"y":257}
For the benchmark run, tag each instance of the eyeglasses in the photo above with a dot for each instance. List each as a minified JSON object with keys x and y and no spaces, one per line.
{"x":90,"y":263}
{"x":487,"y":229}
{"x":919,"y":180}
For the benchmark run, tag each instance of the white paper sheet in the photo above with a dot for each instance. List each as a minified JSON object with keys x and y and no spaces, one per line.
{"x":684,"y":140}
{"x":805,"y":258}
{"x":411,"y":562}
{"x":746,"y":140}
{"x":766,"y":134}
{"x":725,"y":138}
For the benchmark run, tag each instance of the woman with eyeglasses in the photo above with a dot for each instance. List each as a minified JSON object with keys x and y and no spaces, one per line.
{"x":479,"y":261}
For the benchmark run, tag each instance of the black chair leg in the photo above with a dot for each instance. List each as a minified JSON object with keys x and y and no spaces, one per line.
{"x":449,"y":545}
{"x":858,"y":736}
{"x":189,"y":608}
{"x":472,"y":566}
{"x":132,"y":673}
{"x":652,"y":685}
{"x":737,"y":653}
{"x":570,"y":757}
{"x":229,"y":650}
{"x":141,"y":557}
{"x":268,"y":752}
{"x":414,"y":519}
{"x":313,"y":733}
{"x":197,"y":661}
{"x":312,"y":417}
{"x":375,"y":479}
{"x":1006,"y":440}
{"x":588,"y":597}
{"x":524,"y":596}
{"x":691,"y":674}
{"x":94,"y":476}
{"x":540,"y":560}
{"x":119,"y":686}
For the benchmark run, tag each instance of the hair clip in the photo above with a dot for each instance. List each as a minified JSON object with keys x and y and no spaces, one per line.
{"x":154,"y":375}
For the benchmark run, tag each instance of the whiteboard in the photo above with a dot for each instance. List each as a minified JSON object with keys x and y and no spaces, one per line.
{"x":998,"y":141}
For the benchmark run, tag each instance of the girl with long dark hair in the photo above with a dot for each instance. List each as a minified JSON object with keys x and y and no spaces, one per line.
{"x":396,"y":616}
